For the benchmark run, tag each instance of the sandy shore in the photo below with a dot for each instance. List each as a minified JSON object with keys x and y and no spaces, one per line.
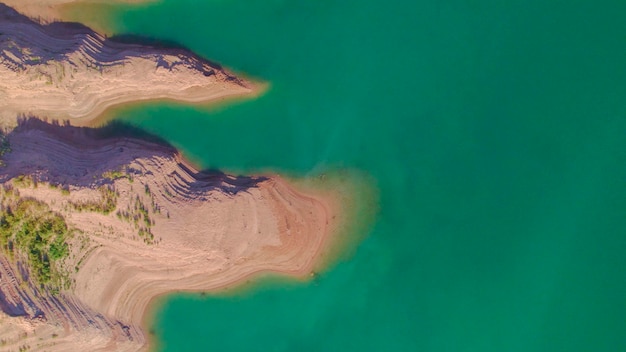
{"x":50,"y":10}
{"x":209,"y":231}
{"x":67,"y":71}
{"x":143,"y":221}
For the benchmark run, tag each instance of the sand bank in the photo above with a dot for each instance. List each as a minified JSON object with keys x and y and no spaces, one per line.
{"x":51,"y":10}
{"x":143,"y":221}
{"x":68,"y":71}
{"x":206,"y":231}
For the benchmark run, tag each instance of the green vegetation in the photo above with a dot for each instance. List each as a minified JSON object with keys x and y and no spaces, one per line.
{"x":24,"y":181}
{"x":114,"y":175}
{"x":5,"y":147}
{"x":65,"y":190}
{"x":28,"y":227}
{"x":85,"y":253}
{"x":140,"y":216}
{"x":142,"y":212}
{"x":105,"y":205}
{"x":146,"y":235}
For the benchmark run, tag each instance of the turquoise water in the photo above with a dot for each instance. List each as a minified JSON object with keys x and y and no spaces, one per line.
{"x":495,"y":131}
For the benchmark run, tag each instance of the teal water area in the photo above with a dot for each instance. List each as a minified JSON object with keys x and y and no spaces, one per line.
{"x":495,"y":132}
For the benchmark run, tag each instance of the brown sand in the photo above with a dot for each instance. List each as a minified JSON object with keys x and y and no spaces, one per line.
{"x":51,"y":10}
{"x":67,"y":71}
{"x":210,"y":231}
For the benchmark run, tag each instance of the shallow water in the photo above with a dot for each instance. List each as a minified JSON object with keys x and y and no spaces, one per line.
{"x":495,"y":132}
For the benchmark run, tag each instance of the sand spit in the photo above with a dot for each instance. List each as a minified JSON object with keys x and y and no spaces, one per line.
{"x":169,"y":228}
{"x":68,"y":71}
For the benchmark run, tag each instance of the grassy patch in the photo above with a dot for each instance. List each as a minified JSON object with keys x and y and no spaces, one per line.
{"x":65,"y":190}
{"x":139,"y":215}
{"x":30,"y":228}
{"x":114,"y":175}
{"x":23,"y":181}
{"x":106,"y":204}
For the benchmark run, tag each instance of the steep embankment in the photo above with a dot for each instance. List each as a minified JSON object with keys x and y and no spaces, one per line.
{"x":67,"y":71}
{"x":142,"y":223}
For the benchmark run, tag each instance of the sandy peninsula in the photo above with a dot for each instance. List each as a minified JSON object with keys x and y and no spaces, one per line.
{"x":67,"y":71}
{"x":140,"y":222}
{"x":96,"y":223}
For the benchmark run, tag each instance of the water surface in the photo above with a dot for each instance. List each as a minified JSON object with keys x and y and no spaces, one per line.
{"x":495,"y":133}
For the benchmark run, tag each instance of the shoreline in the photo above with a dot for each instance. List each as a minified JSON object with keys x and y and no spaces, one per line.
{"x":308,"y":223}
{"x":112,"y":112}
{"x":56,"y":10}
{"x":107,"y":113}
{"x":220,"y":241}
{"x":252,"y":280}
{"x":340,"y":241}
{"x":69,"y":72}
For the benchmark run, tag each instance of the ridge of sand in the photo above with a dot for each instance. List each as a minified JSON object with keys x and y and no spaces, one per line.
{"x":210,"y":230}
{"x":68,"y":71}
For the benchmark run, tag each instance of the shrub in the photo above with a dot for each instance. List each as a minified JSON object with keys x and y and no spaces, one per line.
{"x":29,"y":227}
